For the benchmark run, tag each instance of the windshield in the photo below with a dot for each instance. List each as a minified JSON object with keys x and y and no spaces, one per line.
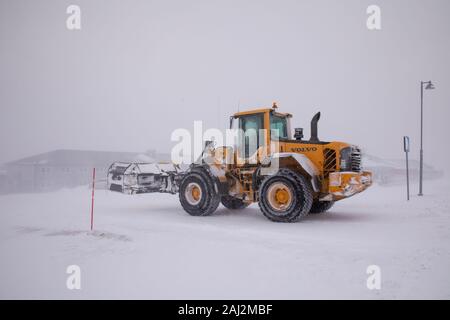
{"x":279,"y":127}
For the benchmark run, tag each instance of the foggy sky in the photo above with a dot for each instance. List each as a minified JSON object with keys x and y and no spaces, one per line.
{"x":137,"y":70}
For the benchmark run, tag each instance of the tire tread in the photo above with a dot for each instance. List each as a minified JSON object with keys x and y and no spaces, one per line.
{"x":303,"y":193}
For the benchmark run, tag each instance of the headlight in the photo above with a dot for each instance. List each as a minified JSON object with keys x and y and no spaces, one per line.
{"x":346,"y":159}
{"x":335,"y":179}
{"x":130,"y":180}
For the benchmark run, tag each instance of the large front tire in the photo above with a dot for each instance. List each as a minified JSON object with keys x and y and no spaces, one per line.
{"x":285,"y":197}
{"x":198,"y":194}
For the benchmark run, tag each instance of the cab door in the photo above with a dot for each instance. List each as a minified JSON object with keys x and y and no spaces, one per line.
{"x":251,"y":138}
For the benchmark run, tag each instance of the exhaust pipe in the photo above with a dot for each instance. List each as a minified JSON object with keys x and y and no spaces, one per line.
{"x":314,"y":134}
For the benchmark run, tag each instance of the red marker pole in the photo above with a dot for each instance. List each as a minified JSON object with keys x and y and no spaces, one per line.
{"x":92,"y":197}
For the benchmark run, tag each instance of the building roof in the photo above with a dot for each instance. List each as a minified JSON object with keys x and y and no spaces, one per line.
{"x":76,"y":158}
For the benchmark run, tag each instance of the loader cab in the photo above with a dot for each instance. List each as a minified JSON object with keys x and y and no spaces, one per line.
{"x":258,"y":131}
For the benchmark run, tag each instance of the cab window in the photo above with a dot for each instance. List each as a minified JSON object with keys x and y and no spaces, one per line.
{"x":278,"y":127}
{"x":250,"y":125}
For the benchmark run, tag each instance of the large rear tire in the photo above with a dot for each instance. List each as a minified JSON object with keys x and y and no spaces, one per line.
{"x":321,"y":206}
{"x":233,"y":203}
{"x":198,"y":194}
{"x":285,"y":197}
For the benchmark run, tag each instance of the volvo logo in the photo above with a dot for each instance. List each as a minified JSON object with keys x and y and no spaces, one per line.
{"x":304,"y":149}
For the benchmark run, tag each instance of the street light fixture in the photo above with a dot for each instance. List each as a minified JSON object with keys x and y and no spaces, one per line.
{"x":429,"y":86}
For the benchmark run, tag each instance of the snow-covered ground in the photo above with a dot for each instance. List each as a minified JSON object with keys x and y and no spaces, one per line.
{"x":146,"y":246}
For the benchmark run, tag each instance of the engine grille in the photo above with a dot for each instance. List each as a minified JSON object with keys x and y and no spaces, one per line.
{"x":329,"y":164}
{"x":356,"y":159}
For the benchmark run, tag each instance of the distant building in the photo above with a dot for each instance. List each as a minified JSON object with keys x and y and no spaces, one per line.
{"x":61,"y":169}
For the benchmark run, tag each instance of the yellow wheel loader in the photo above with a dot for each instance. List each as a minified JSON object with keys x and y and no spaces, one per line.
{"x":289,"y":177}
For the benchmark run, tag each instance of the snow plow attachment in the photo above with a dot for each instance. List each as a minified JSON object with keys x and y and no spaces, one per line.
{"x":133,"y":178}
{"x":346,"y":184}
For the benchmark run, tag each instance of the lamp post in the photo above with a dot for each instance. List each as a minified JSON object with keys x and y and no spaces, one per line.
{"x":429,"y":86}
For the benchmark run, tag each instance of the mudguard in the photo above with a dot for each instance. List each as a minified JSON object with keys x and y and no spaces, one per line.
{"x":301,"y":160}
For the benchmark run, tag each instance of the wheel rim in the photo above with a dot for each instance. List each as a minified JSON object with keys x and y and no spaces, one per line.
{"x":193,"y":193}
{"x":279,"y":196}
